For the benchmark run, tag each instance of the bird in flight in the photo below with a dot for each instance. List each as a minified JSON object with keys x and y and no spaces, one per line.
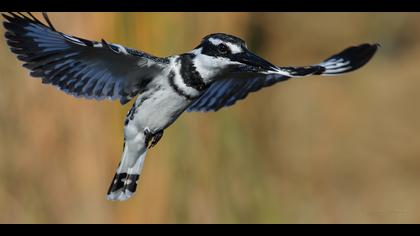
{"x":217,"y":73}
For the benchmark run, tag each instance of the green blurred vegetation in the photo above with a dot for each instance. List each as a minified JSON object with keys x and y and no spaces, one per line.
{"x":314,"y":150}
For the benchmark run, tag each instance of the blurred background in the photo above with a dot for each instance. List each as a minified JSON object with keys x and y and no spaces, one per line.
{"x":315,"y":150}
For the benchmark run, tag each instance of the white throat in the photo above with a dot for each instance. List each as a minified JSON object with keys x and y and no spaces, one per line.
{"x":210,"y":67}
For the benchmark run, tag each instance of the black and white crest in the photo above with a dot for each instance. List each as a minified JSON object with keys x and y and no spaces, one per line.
{"x":225,"y":38}
{"x":222,"y":45}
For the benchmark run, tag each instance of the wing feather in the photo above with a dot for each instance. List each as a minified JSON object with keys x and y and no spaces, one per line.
{"x":80,"y":67}
{"x":228,"y":90}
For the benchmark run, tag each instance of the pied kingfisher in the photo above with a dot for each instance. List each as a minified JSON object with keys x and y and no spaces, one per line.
{"x":218,"y":72}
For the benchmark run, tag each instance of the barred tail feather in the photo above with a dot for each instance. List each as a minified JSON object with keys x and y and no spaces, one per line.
{"x":124,"y":183}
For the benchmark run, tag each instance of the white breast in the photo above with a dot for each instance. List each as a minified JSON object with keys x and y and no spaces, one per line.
{"x":159,"y":107}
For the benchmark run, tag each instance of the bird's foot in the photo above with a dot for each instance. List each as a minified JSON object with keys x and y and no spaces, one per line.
{"x":152,"y":138}
{"x":156,"y":137}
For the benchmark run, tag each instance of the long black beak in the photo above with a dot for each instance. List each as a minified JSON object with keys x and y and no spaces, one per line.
{"x":255,"y":63}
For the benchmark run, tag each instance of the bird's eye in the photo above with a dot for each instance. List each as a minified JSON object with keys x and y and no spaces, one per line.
{"x":222,"y":48}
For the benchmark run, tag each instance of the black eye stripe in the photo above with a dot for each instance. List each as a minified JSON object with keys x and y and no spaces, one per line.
{"x":210,"y":49}
{"x":223,"y":48}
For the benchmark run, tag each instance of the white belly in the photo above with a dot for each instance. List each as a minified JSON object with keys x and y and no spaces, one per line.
{"x":160,"y":104}
{"x":160,"y":110}
{"x":156,"y":108}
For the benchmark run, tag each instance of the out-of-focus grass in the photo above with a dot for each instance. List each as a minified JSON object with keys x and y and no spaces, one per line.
{"x":314,"y":150}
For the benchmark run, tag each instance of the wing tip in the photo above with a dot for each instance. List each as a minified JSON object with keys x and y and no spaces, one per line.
{"x":350,"y":59}
{"x":14,"y":18}
{"x":368,"y":55}
{"x":375,"y":46}
{"x":47,"y":19}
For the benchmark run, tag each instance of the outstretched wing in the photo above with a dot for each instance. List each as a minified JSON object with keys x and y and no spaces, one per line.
{"x":83,"y":68}
{"x":226,"y":91}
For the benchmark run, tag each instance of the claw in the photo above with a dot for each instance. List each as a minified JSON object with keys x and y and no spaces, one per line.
{"x":148,"y":136}
{"x":156,"y":137}
{"x":151,"y":138}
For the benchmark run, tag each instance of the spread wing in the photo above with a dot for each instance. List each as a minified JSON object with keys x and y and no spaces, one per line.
{"x":226,"y":91}
{"x":80,"y":67}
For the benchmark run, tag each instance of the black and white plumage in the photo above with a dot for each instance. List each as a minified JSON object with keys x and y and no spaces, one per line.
{"x":217,"y":73}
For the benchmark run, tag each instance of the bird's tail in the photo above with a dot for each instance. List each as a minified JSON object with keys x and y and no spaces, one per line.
{"x":124,"y":183}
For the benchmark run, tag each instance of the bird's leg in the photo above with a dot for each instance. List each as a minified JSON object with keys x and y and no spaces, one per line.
{"x":148,"y":136}
{"x":153,"y":137}
{"x":156,"y":137}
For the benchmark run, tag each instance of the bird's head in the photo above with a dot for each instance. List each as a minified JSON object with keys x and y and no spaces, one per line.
{"x":218,"y":53}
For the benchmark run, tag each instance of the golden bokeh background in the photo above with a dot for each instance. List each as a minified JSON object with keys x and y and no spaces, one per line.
{"x":314,"y":150}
